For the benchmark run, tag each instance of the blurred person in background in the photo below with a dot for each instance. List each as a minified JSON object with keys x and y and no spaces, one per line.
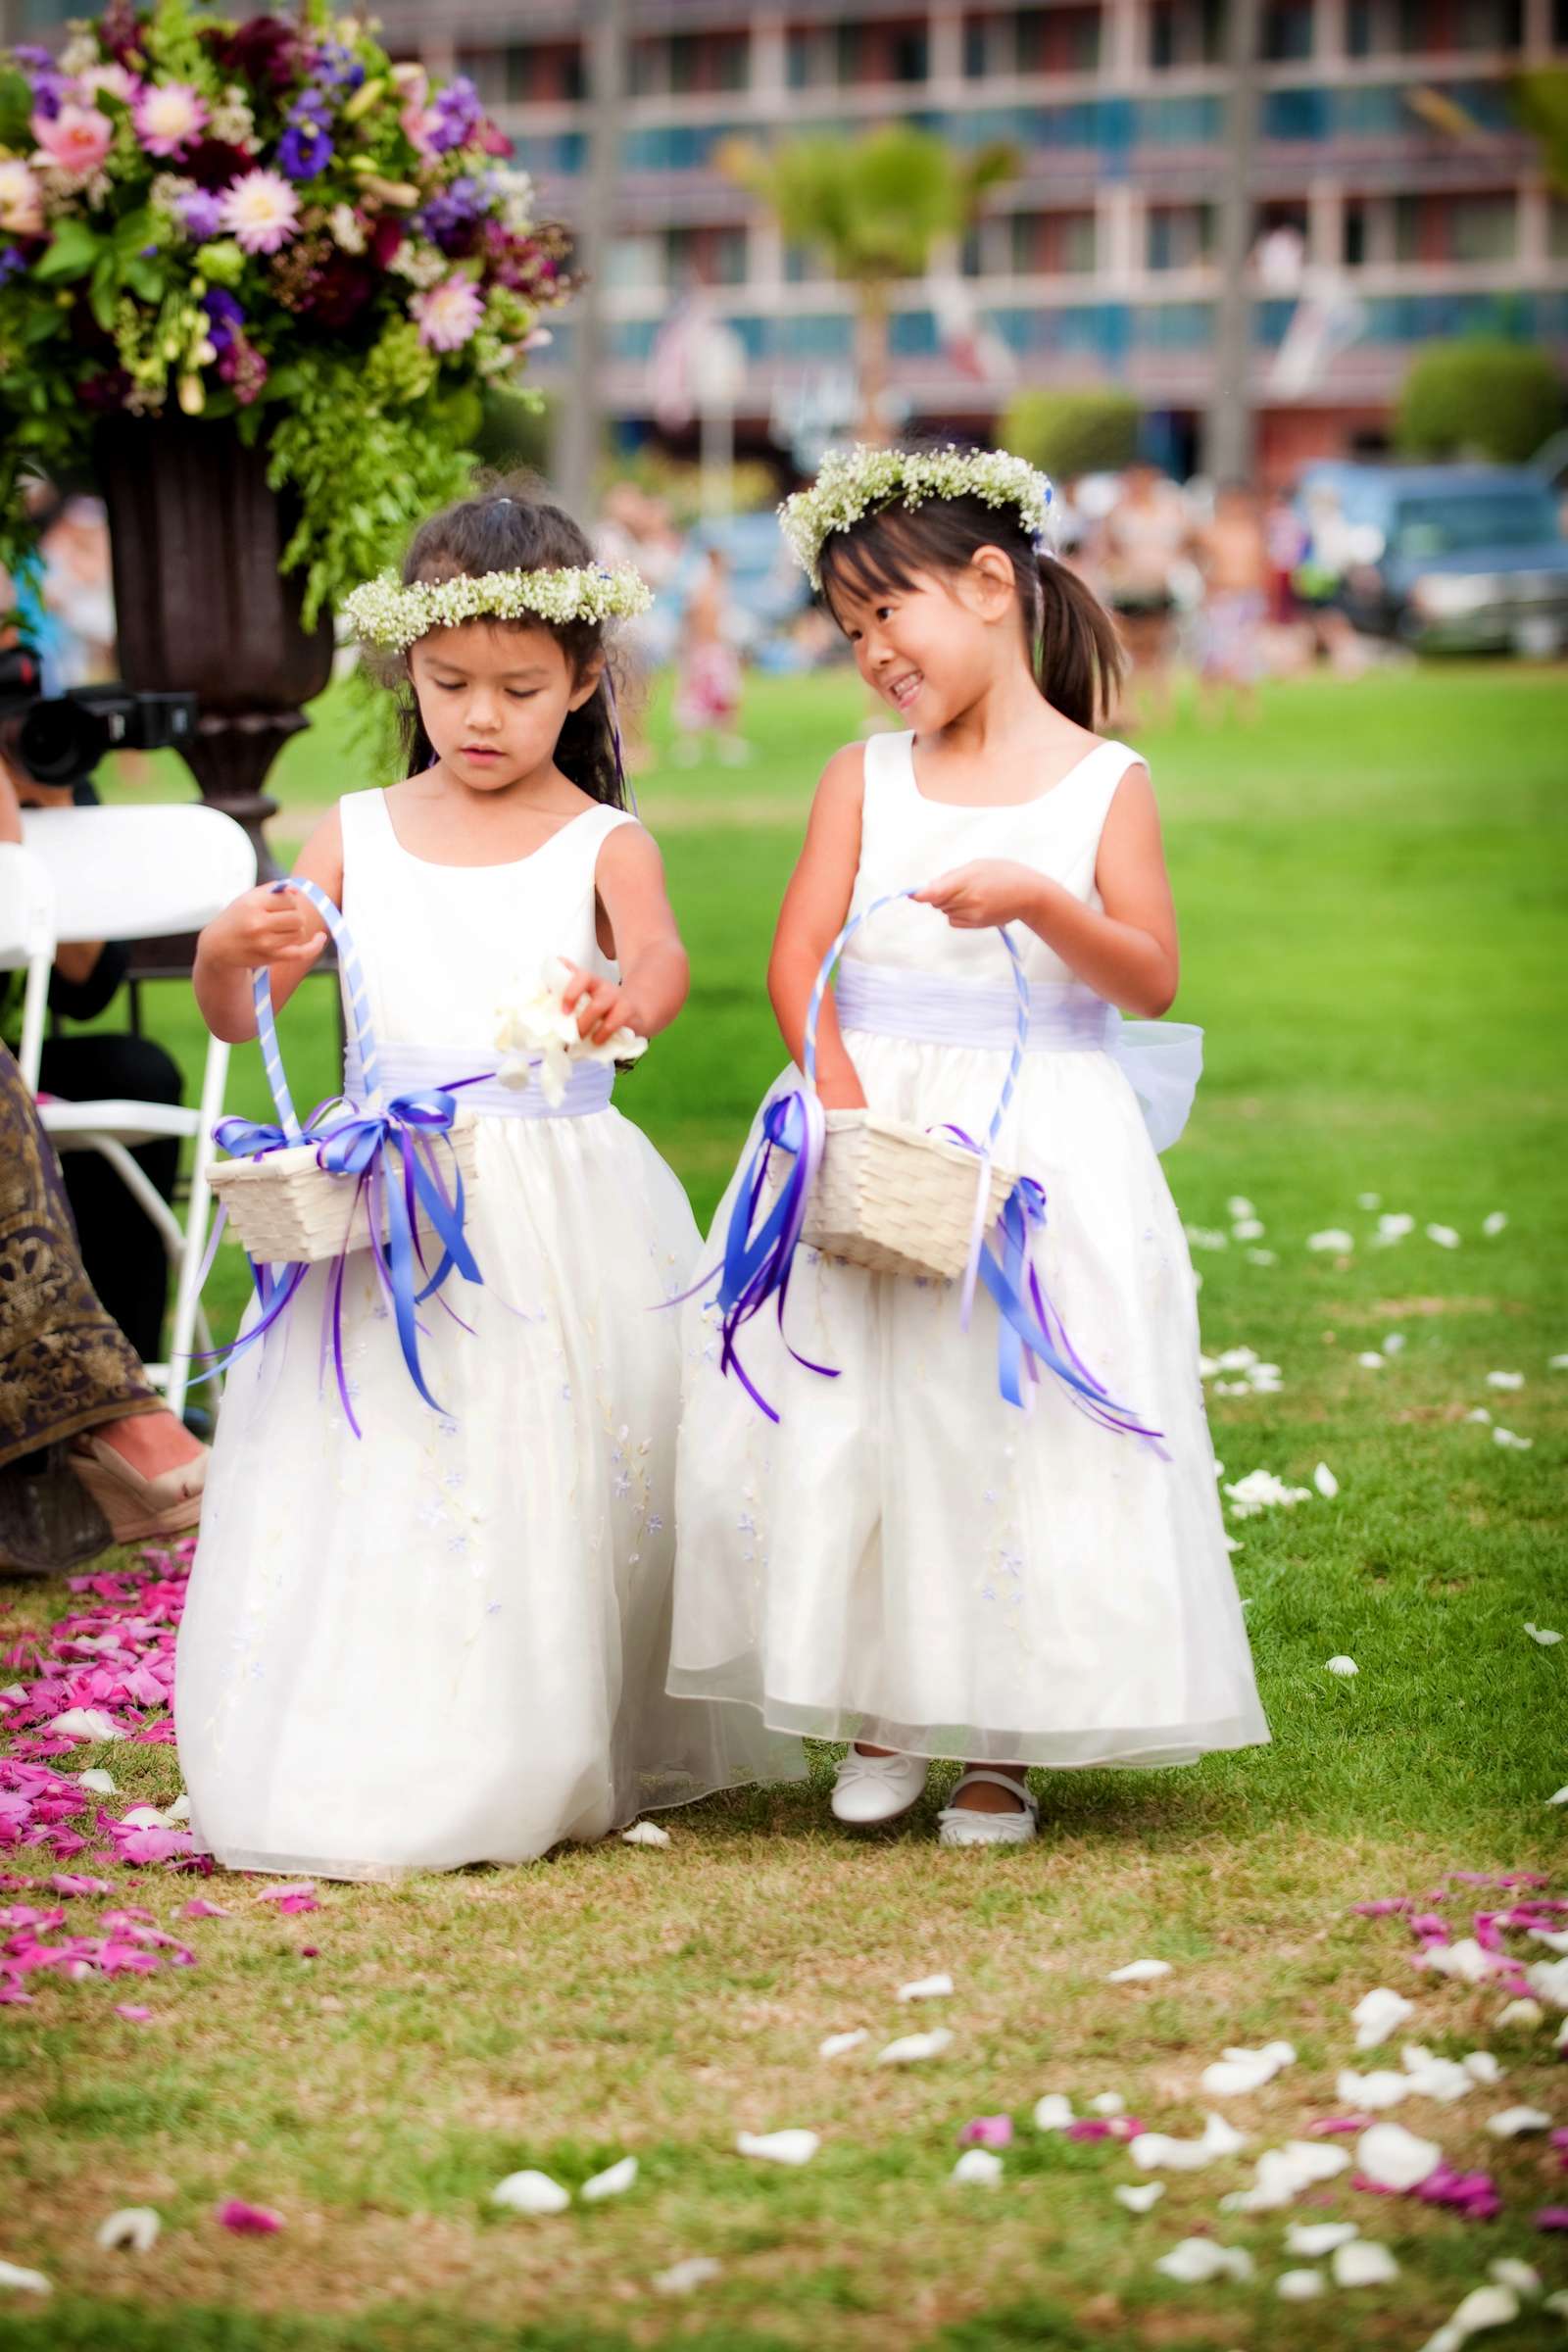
{"x":708,"y":670}
{"x":1142,"y":546}
{"x":1320,"y":575}
{"x":1233,"y":556}
{"x":79,"y":591}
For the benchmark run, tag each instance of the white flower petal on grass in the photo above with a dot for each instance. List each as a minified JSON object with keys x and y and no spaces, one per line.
{"x":612,"y":2183}
{"x":1550,"y":1977}
{"x":1378,"y":2014}
{"x":1341,"y":1665}
{"x":1505,"y":1380}
{"x":1468,"y":1960}
{"x":85,"y":1723}
{"x":1108,"y":2102}
{"x":1394,"y":1225}
{"x":1483,"y":2307}
{"x":1333,"y":1237}
{"x":1541,"y":1634}
{"x":1557,"y":1364}
{"x":1524,"y":2013}
{"x":1238,"y":1206}
{"x":925,"y":1988}
{"x":1247,"y":1229}
{"x":1441,"y":2079}
{"x":1522,"y":2276}
{"x":836,"y":2045}
{"x":1494,"y":1223}
{"x":1370,"y":1360}
{"x":1327,"y":1485}
{"x":135,"y":2227}
{"x":645,"y":1832}
{"x":1444,"y":1235}
{"x":1363,"y":2263}
{"x":101,"y":1783}
{"x":911,"y":2048}
{"x":1244,"y":2069}
{"x":1052,"y":2113}
{"x":1159,"y":2151}
{"x":1139,"y":1972}
{"x":530,"y":2192}
{"x":1375,"y":2092}
{"x":1394,"y":1343}
{"x":1138,"y":2198}
{"x":1299,"y":2286}
{"x":1560,"y":1797}
{"x":779,"y":2148}
{"x":1395,"y":2158}
{"x":23,"y":2282}
{"x":1261,"y":1491}
{"x":682,"y":2278}
{"x":979,"y":2167}
{"x":1555,"y":1942}
{"x":1479,"y":1412}
{"x":1262,"y":1257}
{"x":1198,"y":2259}
{"x":1319,"y":2237}
{"x":1283,"y":2173}
{"x":1511,"y":2122}
{"x":179,"y":1810}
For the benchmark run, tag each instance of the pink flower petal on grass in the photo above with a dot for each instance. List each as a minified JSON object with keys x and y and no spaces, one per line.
{"x":200,"y":1908}
{"x":1552,"y":2217}
{"x":132,"y":2014}
{"x":987,"y":2131}
{"x":249,"y":2221}
{"x":299,"y":1897}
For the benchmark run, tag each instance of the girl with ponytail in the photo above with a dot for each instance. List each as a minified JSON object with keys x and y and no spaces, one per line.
{"x":898,"y":1556}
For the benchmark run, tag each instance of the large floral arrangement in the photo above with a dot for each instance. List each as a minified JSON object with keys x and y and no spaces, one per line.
{"x":267,"y":222}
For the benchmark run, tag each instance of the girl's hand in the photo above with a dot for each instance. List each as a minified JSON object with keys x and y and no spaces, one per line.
{"x":991,"y":891}
{"x":602,"y":1005}
{"x":269,"y":925}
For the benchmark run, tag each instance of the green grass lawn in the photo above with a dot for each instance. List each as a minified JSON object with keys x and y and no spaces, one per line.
{"x":1370,"y":884}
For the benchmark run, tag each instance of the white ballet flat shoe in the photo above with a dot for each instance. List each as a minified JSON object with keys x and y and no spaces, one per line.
{"x":962,"y":1824}
{"x":873,"y":1789}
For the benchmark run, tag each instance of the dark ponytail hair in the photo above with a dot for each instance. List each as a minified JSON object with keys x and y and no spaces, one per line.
{"x":1071,"y":642}
{"x":508,"y":527}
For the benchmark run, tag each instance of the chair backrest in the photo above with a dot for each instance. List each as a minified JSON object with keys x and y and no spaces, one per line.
{"x":138,"y":873}
{"x":27,"y":940}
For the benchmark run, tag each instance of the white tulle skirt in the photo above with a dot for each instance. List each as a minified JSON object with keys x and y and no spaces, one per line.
{"x":909,"y":1560}
{"x":445,"y":1642}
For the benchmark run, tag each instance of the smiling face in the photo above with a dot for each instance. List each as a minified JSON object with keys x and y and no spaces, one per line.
{"x":930,"y":643}
{"x":494,"y":698}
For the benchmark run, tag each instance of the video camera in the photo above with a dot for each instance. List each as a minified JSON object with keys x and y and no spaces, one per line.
{"x":59,"y":739}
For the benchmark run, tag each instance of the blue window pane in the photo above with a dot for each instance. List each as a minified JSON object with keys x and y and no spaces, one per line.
{"x":1178,"y":121}
{"x":632,"y":338}
{"x":1090,"y":331}
{"x":546,"y":151}
{"x":812,"y":335}
{"x":1174,"y":326}
{"x":913,"y":334}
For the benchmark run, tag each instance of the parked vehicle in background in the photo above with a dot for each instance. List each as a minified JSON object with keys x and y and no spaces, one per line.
{"x":1448,"y":558}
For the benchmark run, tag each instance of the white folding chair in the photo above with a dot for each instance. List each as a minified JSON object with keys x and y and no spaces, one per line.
{"x":147,"y":873}
{"x":28,"y":942}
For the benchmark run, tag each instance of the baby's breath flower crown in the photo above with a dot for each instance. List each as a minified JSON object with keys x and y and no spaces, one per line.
{"x":386,"y":612}
{"x":860,"y":481}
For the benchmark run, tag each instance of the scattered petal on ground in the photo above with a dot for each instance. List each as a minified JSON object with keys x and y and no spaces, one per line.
{"x":135,"y":2227}
{"x":1319,"y":2237}
{"x":612,"y":2183}
{"x":1394,"y":1225}
{"x":1243,"y":2070}
{"x":1154,"y":2151}
{"x":1444,"y":1235}
{"x":1198,"y":2259}
{"x":1524,"y":2013}
{"x":1561,"y":1797}
{"x":1283,"y":2173}
{"x":1139,"y":1972}
{"x":102,"y":1783}
{"x":1394,"y":1343}
{"x":1299,"y":2286}
{"x":645,"y":1832}
{"x":1108,"y":2102}
{"x":1376,"y":2091}
{"x":683,"y":2276}
{"x":1541,"y":1634}
{"x":1052,"y":2113}
{"x":925,"y":1988}
{"x":85,"y":1723}
{"x":1363,"y":2263}
{"x":1378,"y":2014}
{"x":1494,"y":1223}
{"x":1522,"y":2276}
{"x":1370,"y":1360}
{"x":1261,"y":1491}
{"x":779,"y":2148}
{"x":1513,"y":2121}
{"x":1369,"y":1200}
{"x":911,"y":2048}
{"x":530,"y":2192}
{"x":979,"y":2168}
{"x":23,"y":2282}
{"x":1325,"y":1482}
{"x":1479,"y":1414}
{"x":1342,"y":1665}
{"x":249,"y":2221}
{"x":1393,"y":2158}
{"x":1238,"y":1206}
{"x":1552,"y":2217}
{"x":1483,"y":2307}
{"x":1505,"y":1380}
{"x":1333,"y":1237}
{"x":836,"y":2044}
{"x":987,"y":2131}
{"x":1138,"y":2197}
{"x":1510,"y":1440}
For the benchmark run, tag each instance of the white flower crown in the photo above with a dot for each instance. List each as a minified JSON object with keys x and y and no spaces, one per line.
{"x":856,"y":482}
{"x":384,"y":611}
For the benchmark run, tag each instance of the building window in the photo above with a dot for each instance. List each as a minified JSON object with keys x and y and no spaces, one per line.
{"x":858,"y":56}
{"x":706,"y":256}
{"x":1180,"y":236}
{"x":1055,"y":244}
{"x":1471,"y":227}
{"x":544,"y":73}
{"x":1354,"y":242}
{"x":696,"y":63}
{"x":1186,"y":33}
{"x":673,"y":146}
{"x":1286,"y":31}
{"x":1437,"y":28}
{"x":1031,"y":40}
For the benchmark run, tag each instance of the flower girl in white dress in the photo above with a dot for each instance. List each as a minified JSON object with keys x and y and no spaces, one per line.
{"x":443,"y":1641}
{"x":904,"y":1558}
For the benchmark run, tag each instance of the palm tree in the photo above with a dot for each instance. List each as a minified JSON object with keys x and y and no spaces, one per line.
{"x":875,"y":207}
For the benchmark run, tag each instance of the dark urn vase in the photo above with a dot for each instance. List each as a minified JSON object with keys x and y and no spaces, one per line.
{"x":200,"y":606}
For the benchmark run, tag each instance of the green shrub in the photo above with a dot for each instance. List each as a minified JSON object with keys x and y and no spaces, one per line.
{"x":1479,"y":398}
{"x":1069,"y":434}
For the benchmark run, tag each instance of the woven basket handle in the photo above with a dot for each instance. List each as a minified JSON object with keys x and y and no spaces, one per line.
{"x":348,"y":957}
{"x":1020,"y":985}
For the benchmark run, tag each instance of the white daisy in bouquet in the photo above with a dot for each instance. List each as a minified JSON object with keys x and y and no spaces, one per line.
{"x":540,"y":1041}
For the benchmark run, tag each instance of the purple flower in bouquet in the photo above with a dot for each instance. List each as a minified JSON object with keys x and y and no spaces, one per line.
{"x":48,"y":84}
{"x":200,"y":215}
{"x":336,"y":65}
{"x":224,"y":315}
{"x":312,"y":106}
{"x":13,"y":262}
{"x":452,"y":217}
{"x":169,"y":116}
{"x":448,"y":314}
{"x":304,"y":150}
{"x":453,"y":116}
{"x":261,"y":212}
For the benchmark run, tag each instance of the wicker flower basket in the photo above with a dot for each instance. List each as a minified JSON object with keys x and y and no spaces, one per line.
{"x":289,"y":1210}
{"x":895,"y":1198}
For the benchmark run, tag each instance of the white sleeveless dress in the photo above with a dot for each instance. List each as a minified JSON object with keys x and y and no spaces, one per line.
{"x":445,"y":1642}
{"x":906,"y":1558}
